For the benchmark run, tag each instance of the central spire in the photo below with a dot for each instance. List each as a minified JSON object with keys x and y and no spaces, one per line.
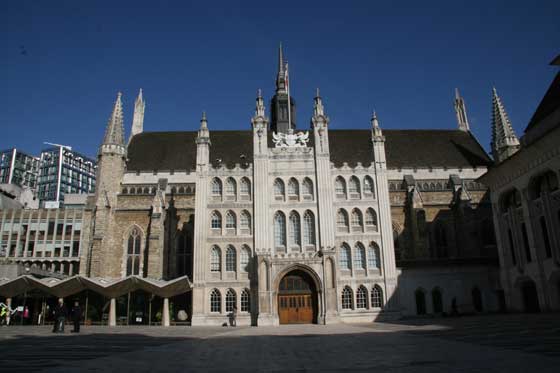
{"x":504,"y":141}
{"x":114,"y":133}
{"x":281,"y":76}
{"x":282,"y":106}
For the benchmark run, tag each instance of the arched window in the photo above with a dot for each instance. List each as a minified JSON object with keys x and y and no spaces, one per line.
{"x":344,"y":257}
{"x":231,"y":300}
{"x":279,"y":189}
{"x":294,"y":230}
{"x":376,"y":297}
{"x":293,"y":188}
{"x":245,"y":300}
{"x":308,"y":228}
{"x":124,"y":190}
{"x":133,"y":252}
{"x":340,"y":187}
{"x":279,"y":229}
{"x":437,"y":301}
{"x":359,"y":256}
{"x":354,"y":187}
{"x":230,"y":220}
{"x":420,"y":302}
{"x":342,"y":219}
{"x":216,"y":187}
{"x":373,"y":256}
{"x":361,"y":297}
{"x":356,"y":219}
{"x":245,"y":257}
{"x":371,"y":219}
{"x":216,"y":220}
{"x":245,"y":187}
{"x":347,"y":298}
{"x":215,"y":301}
{"x":245,"y":220}
{"x":231,"y":187}
{"x":307,"y":189}
{"x":368,"y":187}
{"x":231,"y":259}
{"x":215,"y":259}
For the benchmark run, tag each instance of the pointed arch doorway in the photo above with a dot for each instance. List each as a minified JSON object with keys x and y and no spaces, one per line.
{"x":297,"y":298}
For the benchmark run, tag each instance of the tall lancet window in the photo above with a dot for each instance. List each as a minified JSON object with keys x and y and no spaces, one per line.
{"x":279,"y":229}
{"x":308,"y":228}
{"x":307,"y":189}
{"x":294,"y":231}
{"x":133,"y":253}
{"x":279,"y":190}
{"x":231,"y":188}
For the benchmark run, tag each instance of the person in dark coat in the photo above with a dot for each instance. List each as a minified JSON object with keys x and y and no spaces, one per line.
{"x":60,"y":314}
{"x":76,"y":316}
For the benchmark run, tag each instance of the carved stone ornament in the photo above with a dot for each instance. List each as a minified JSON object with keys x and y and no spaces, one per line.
{"x":290,"y":139}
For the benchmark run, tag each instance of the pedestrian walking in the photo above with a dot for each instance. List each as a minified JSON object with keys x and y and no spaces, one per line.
{"x":76,"y":316}
{"x":25,"y":315}
{"x":59,"y":314}
{"x":3,"y":314}
{"x":233,"y":316}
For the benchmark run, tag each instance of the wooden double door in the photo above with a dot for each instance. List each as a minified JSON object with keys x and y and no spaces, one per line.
{"x":296,"y":308}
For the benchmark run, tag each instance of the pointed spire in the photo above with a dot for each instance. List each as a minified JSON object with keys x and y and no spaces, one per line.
{"x":504,"y":141}
{"x":318,"y":108}
{"x":376,"y":130}
{"x":203,"y":132}
{"x":138,"y":118}
{"x":461,"y":111}
{"x":280,"y":59}
{"x":281,"y":77}
{"x":260,"y":109}
{"x":114,"y":133}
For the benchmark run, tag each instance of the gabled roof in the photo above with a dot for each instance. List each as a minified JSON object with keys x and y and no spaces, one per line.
{"x":549,"y":103}
{"x":150,"y":151}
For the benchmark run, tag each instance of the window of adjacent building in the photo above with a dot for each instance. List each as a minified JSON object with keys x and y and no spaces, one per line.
{"x":371,"y":219}
{"x":340,"y":187}
{"x":245,"y":257}
{"x":344,"y":257}
{"x":359,"y":256}
{"x":308,"y":228}
{"x":216,"y":187}
{"x":215,"y":301}
{"x":231,"y":300}
{"x":356,"y":219}
{"x":245,"y":220}
{"x":361,"y":297}
{"x":279,"y":189}
{"x":293,"y":189}
{"x":133,"y":253}
{"x":231,"y":188}
{"x":376,"y":297}
{"x":245,"y":187}
{"x":347,"y":298}
{"x":216,"y":220}
{"x":294,"y":232}
{"x":279,"y":229}
{"x":230,"y":220}
{"x":215,"y":260}
{"x":373,"y":256}
{"x":245,"y":300}
{"x":342,"y":219}
{"x":230,"y":259}
{"x":354,"y":187}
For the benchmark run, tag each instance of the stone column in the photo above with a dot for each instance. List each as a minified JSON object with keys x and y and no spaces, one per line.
{"x":113,"y":312}
{"x":165,"y":319}
{"x":8,"y":315}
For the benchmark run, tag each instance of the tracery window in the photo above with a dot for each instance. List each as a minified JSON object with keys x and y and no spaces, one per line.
{"x":294,"y":231}
{"x":215,"y":301}
{"x":340,"y":187}
{"x":347,"y":298}
{"x":279,"y":189}
{"x":368,"y":186}
{"x":231,"y":300}
{"x":245,"y":220}
{"x":293,"y":188}
{"x":133,"y":253}
{"x":354,"y":185}
{"x":245,"y":257}
{"x":307,"y":188}
{"x":215,"y":259}
{"x":245,"y":187}
{"x":376,"y":297}
{"x":373,"y":256}
{"x":371,"y":218}
{"x":308,"y":228}
{"x":344,"y":257}
{"x":245,"y":300}
{"x":361,"y":297}
{"x":216,"y":220}
{"x":216,"y":187}
{"x":230,"y":259}
{"x":359,"y":256}
{"x":342,"y":218}
{"x":230,"y":220}
{"x":231,"y":187}
{"x":356,"y":218}
{"x":279,"y":229}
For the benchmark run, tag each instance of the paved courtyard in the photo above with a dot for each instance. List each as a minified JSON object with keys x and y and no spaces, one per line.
{"x":505,"y":343}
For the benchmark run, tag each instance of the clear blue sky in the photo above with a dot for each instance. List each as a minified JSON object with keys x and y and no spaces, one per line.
{"x":62,"y":63}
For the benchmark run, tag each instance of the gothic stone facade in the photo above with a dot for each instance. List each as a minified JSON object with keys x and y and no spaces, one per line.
{"x":296,"y":225}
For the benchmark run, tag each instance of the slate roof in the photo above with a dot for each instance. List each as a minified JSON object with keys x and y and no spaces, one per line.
{"x":549,"y":103}
{"x":150,"y":151}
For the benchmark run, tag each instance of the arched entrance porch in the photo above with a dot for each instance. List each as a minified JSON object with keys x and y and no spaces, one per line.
{"x":297,"y":297}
